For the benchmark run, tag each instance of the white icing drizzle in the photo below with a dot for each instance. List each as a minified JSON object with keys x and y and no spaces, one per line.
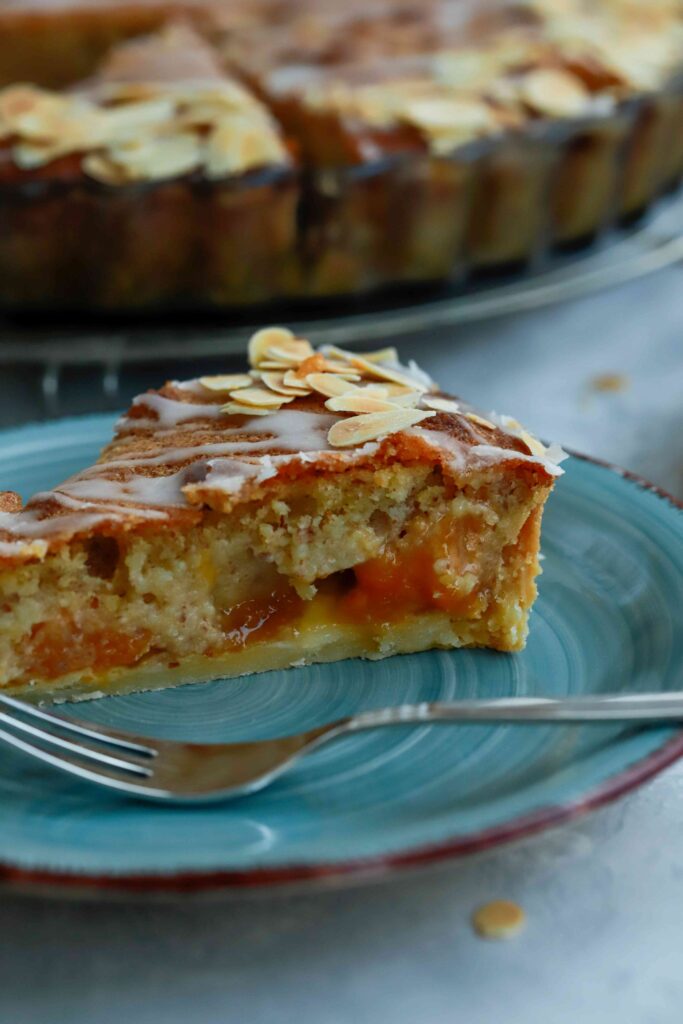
{"x":169,"y":412}
{"x":152,"y":484}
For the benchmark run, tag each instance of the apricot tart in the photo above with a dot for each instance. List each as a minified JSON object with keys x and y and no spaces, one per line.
{"x":383,"y":142}
{"x":321,"y":505}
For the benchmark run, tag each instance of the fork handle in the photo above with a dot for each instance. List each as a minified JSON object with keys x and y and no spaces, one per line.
{"x":641,"y":708}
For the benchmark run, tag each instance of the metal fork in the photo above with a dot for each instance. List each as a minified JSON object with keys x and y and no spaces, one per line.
{"x":198,"y":773}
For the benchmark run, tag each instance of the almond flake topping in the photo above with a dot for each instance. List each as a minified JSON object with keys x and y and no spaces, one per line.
{"x":382,"y":355}
{"x":128,"y":132}
{"x":275,"y":381}
{"x":237,"y":409}
{"x":358,"y":403}
{"x":371,"y":426}
{"x":226,"y":382}
{"x":262,"y":398}
{"x":291,"y":355}
{"x":374,"y":395}
{"x":480,"y":421}
{"x":263,"y":340}
{"x":330,"y":385}
{"x":440,"y":404}
{"x":554,"y":93}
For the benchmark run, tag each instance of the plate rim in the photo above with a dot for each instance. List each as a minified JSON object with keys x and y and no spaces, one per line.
{"x":358,"y":871}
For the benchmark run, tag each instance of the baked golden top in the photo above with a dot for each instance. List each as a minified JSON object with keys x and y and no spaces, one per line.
{"x":218,"y":441}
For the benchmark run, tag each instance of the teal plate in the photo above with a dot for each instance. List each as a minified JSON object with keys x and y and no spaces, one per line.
{"x":607,"y":618}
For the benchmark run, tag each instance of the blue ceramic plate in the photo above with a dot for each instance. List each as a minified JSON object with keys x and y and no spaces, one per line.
{"x":606,"y":619}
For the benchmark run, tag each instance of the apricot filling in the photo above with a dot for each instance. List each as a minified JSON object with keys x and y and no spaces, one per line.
{"x":58,"y":648}
{"x":259,"y":619}
{"x":437,"y":570}
{"x":438,"y":567}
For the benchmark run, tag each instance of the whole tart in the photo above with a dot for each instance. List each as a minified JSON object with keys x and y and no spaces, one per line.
{"x":319,"y":506}
{"x":393,"y":142}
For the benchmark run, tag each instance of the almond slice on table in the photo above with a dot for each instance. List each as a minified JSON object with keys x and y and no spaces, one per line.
{"x":226,"y":381}
{"x":265,"y":339}
{"x":260,"y":397}
{"x":440,"y":404}
{"x":358,"y":403}
{"x":358,"y":429}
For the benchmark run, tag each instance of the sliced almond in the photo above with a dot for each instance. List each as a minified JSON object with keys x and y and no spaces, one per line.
{"x":237,"y":145}
{"x":359,"y":429}
{"x":401,"y":394}
{"x":262,"y":398}
{"x":554,"y":93}
{"x":480,"y":420}
{"x":277,"y":365}
{"x":341,"y":369}
{"x":408,"y":401}
{"x":329,"y":384}
{"x":275,"y":382}
{"x":385,"y":373}
{"x":292,"y":354}
{"x":533,"y":444}
{"x":382,"y":355}
{"x":237,"y":409}
{"x":358,"y":402}
{"x":265,"y":339}
{"x":317,"y":363}
{"x":440,"y":404}
{"x":338,"y":353}
{"x":159,"y":157}
{"x":226,"y":381}
{"x":100,"y":168}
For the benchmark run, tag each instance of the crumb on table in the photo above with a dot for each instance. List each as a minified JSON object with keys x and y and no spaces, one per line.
{"x":500,"y":919}
{"x":610,"y":382}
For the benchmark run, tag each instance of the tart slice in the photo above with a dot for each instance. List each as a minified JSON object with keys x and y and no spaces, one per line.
{"x":317,"y":506}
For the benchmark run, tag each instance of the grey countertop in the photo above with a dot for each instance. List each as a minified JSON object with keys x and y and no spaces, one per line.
{"x":603,"y":895}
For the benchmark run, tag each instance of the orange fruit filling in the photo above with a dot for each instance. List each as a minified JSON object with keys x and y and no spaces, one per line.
{"x":259,"y":619}
{"x":433,"y":568}
{"x":436,"y":570}
{"x":60,"y":648}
